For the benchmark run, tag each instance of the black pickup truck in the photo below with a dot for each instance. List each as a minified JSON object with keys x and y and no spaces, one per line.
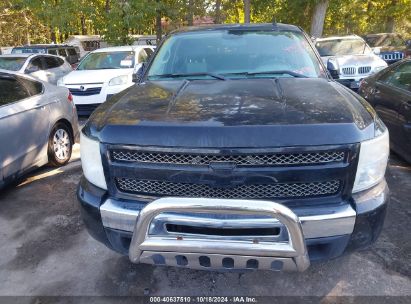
{"x":234,"y":150}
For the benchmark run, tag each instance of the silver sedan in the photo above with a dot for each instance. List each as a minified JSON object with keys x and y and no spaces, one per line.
{"x":38,"y":125}
{"x":41,"y":66}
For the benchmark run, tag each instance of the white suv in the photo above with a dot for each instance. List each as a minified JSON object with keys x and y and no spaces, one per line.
{"x":103,"y":73}
{"x":352,"y":58}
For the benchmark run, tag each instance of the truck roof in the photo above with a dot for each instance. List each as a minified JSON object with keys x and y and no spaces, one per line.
{"x":241,"y":26}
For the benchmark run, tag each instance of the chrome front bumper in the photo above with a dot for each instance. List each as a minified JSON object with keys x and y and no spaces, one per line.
{"x":204,"y":252}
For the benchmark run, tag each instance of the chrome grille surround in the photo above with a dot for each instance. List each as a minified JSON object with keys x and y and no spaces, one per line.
{"x":392,"y":56}
{"x":349,"y":70}
{"x":246,"y":159}
{"x":243,"y":191}
{"x":364,"y":69}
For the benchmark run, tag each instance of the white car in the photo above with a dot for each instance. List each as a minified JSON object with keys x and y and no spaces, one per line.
{"x":103,"y":73}
{"x":45,"y":67}
{"x":352,"y":58}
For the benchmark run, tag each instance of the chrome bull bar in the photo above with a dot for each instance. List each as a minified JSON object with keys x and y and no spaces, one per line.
{"x":200,"y":252}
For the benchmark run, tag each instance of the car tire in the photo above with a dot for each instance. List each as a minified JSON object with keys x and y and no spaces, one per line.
{"x":60,"y":145}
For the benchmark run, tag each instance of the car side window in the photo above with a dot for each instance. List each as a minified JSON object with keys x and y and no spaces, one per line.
{"x":142,"y":56}
{"x":62,"y":52}
{"x":11,"y":91}
{"x":35,"y":64}
{"x":52,"y":52}
{"x":34,"y":87}
{"x":71,"y":51}
{"x":52,"y":62}
{"x":149,"y":52}
{"x":401,"y":77}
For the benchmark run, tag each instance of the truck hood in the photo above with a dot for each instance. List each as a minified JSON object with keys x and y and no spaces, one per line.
{"x":356,"y":60}
{"x":94,"y":76}
{"x":237,"y":113}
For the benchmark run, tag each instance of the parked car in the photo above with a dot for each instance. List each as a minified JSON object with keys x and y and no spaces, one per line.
{"x":68,"y":52}
{"x":391,"y":46}
{"x":103,"y":73}
{"x":352,"y":58}
{"x":389,"y":92}
{"x":48,"y":68}
{"x":5,"y":50}
{"x":235,"y":150}
{"x":38,"y":125}
{"x":86,"y":43}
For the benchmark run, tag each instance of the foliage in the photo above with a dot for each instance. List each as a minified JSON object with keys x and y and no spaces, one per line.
{"x":39,"y":21}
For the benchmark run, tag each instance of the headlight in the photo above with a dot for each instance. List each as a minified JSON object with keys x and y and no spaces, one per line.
{"x":60,"y":82}
{"x":123,"y":79}
{"x":91,"y":161}
{"x":379,"y":68}
{"x":372,"y":162}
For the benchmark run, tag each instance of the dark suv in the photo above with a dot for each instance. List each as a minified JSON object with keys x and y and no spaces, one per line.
{"x":235,"y":150}
{"x":71,"y":53}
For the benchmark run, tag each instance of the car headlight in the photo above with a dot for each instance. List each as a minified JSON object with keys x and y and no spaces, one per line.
{"x":60,"y":82}
{"x":123,"y":79}
{"x":91,"y":161}
{"x":372,"y":162}
{"x":379,"y":68}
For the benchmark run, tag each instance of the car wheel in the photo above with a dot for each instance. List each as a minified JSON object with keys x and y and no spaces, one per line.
{"x":60,"y":145}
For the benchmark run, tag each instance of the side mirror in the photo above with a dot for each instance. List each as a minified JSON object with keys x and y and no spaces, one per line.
{"x":138,"y":75}
{"x":376,"y":50}
{"x":332,"y":67}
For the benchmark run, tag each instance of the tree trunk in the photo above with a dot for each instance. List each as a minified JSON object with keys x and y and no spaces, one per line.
{"x":390,"y":24}
{"x":190,"y":10}
{"x":217,"y":19}
{"x":318,"y":18}
{"x":27,"y":28}
{"x":107,"y":6}
{"x":247,"y":11}
{"x":159,"y":29}
{"x":83,"y":25}
{"x":52,"y":35}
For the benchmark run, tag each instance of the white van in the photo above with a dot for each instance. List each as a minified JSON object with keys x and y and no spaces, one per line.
{"x":86,"y":43}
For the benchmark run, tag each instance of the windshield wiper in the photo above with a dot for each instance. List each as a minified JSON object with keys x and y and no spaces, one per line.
{"x":278,"y":72}
{"x":216,"y":76}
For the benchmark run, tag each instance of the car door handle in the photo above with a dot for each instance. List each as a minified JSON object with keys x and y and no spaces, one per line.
{"x":39,"y":106}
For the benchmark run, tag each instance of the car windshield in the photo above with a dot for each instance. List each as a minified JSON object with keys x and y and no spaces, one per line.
{"x":28,"y":50}
{"x":107,"y":60}
{"x":385,"y":40}
{"x":235,"y":54}
{"x":339,"y":47}
{"x":12,"y":63}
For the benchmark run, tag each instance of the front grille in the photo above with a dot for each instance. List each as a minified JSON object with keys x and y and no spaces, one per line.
{"x":349,"y":71}
{"x":392,"y":56}
{"x":244,"y":191}
{"x":364,"y":70}
{"x":86,"y":92}
{"x":248,"y":159}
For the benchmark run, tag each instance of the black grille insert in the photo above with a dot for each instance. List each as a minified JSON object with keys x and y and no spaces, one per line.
{"x":246,"y":159}
{"x":244,"y":191}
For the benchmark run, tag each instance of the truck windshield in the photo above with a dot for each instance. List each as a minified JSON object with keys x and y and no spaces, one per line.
{"x":12,"y":63}
{"x":107,"y":60}
{"x":339,"y":47}
{"x":235,"y":54}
